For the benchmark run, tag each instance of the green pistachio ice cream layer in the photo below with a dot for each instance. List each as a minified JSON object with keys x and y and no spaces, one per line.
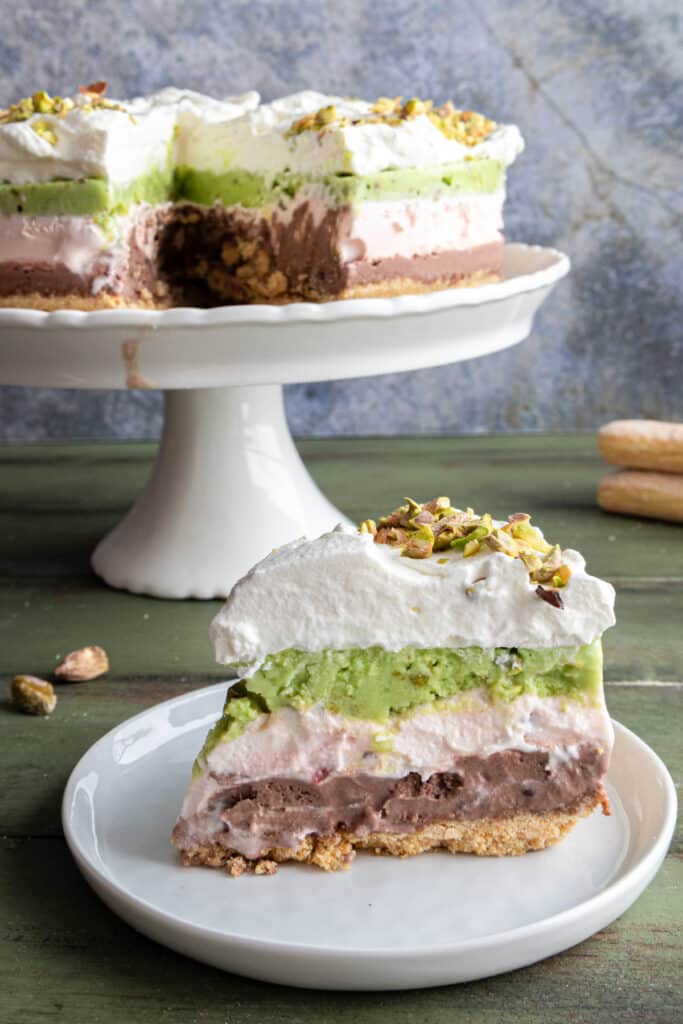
{"x":374,"y":684}
{"x":253,"y":190}
{"x":88,"y":197}
{"x":93,"y":196}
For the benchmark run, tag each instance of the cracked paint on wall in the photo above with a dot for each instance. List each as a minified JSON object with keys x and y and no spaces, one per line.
{"x":595,"y":88}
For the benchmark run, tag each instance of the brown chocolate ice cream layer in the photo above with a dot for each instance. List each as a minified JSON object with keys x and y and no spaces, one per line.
{"x":236,"y":255}
{"x":498,"y":786}
{"x":27,"y":277}
{"x":231,"y":255}
{"x":451,"y":265}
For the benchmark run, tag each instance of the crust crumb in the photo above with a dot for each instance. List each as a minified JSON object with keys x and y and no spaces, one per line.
{"x":265,"y":867}
{"x":88,"y":303}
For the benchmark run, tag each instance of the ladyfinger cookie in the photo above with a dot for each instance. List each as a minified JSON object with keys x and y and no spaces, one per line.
{"x":643,"y":444}
{"x":632,"y":492}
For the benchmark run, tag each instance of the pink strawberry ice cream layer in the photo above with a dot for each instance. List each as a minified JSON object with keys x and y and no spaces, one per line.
{"x":62,"y":254}
{"x":74,"y":242}
{"x":419,"y":227}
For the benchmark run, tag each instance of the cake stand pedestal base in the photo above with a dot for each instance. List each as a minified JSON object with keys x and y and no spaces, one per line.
{"x":228,"y":485}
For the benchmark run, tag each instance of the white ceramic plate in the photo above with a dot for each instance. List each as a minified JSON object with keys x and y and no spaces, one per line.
{"x":386,"y":924}
{"x":243,"y":345}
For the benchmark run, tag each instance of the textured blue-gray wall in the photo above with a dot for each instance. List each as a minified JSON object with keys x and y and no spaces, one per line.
{"x":596,"y":87}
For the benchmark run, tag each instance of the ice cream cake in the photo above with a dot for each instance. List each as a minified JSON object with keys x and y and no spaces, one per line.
{"x":432,"y":680}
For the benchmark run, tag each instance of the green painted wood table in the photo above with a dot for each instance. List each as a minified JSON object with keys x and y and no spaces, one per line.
{"x":66,"y":957}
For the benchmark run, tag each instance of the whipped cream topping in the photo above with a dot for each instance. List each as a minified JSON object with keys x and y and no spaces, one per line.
{"x":343,"y":590}
{"x":259,"y":141}
{"x":317,"y":743}
{"x":199,"y":119}
{"x":118,"y":144}
{"x":228,"y":134}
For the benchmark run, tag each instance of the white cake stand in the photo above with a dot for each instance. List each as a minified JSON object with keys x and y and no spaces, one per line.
{"x":228,"y":484}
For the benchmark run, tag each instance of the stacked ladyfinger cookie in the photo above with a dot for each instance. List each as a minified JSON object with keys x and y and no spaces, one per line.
{"x":650,"y":482}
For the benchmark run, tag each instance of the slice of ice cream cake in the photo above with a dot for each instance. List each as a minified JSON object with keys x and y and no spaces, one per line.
{"x":316,"y":197}
{"x":433,"y":680}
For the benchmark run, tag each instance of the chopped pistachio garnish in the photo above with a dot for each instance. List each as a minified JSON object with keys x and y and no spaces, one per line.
{"x":42,"y":103}
{"x":464,"y":126}
{"x":43,"y":129}
{"x":39,"y":103}
{"x":94,"y":89}
{"x":96,"y":99}
{"x":318,"y":121}
{"x":421,"y":529}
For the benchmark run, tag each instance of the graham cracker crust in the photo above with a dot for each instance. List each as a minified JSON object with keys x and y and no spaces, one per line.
{"x":377,"y":290}
{"x":410,"y":286}
{"x":486,"y":837}
{"x":87,"y":303}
